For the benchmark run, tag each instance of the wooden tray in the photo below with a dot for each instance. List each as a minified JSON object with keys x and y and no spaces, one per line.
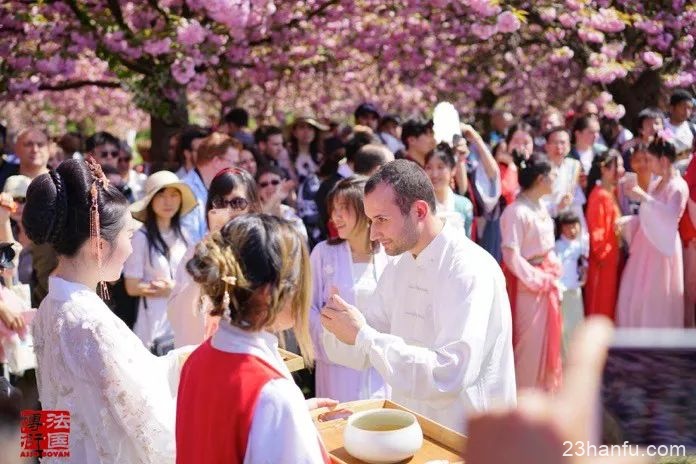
{"x":439,"y":442}
{"x":294,"y":361}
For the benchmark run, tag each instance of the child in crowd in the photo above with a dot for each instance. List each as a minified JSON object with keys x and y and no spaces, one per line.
{"x":573,"y":255}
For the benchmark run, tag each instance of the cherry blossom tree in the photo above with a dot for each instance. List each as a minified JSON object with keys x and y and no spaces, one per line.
{"x":326,"y":56}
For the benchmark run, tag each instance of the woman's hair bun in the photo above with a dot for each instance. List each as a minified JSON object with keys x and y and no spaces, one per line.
{"x":57,"y":209}
{"x":43,"y":192}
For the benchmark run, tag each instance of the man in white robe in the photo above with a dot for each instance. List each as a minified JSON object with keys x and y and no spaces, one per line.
{"x":442,"y":336}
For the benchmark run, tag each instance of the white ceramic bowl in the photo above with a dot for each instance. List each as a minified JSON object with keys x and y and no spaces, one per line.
{"x":382,"y":436}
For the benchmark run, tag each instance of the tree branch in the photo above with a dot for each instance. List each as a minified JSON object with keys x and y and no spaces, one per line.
{"x":70,"y":85}
{"x":115,"y":8}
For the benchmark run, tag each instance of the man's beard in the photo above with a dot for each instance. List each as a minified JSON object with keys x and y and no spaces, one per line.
{"x":407,"y":239}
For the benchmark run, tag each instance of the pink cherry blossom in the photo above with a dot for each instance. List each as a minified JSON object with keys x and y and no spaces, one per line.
{"x":324,"y":55}
{"x":614,"y":111}
{"x":587,"y":34}
{"x":508,"y":22}
{"x":50,"y":66}
{"x":483,"y":31}
{"x":649,"y":26}
{"x":574,"y":4}
{"x":190,"y":33}
{"x":686,"y":43}
{"x":20,"y":62}
{"x":547,"y":14}
{"x":603,"y":98}
{"x":484,"y":8}
{"x":198,"y":82}
{"x":606,"y":73}
{"x":232,"y":13}
{"x":183,"y":70}
{"x":613,"y":49}
{"x":562,"y":55}
{"x":607,"y":20}
{"x":568,"y":20}
{"x":158,"y":47}
{"x":652,"y":59}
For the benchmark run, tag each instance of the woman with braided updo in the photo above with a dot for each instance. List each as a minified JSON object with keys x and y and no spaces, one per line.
{"x":237,"y":401}
{"x":119,"y":396}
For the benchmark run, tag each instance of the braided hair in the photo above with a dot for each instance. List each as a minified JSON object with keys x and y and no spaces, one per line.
{"x":58,"y":207}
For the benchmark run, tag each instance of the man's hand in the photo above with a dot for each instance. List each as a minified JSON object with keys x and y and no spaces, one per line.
{"x":342,"y":319}
{"x":316,"y":403}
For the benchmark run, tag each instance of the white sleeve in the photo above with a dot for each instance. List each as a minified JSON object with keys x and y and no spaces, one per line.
{"x":315,"y":328}
{"x":131,"y":389}
{"x":282,"y":429}
{"x":659,"y":221}
{"x":134,"y":267}
{"x":349,"y":355}
{"x":489,"y":189}
{"x":183,"y":305}
{"x":462,"y":326}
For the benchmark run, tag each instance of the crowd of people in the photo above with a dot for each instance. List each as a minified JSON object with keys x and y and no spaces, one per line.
{"x":445,"y":275}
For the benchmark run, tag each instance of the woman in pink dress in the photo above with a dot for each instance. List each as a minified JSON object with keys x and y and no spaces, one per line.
{"x":533,"y":271}
{"x":652,"y":286}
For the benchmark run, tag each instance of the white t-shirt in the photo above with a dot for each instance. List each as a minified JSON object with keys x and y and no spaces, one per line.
{"x":148,"y":265}
{"x":682,"y":134}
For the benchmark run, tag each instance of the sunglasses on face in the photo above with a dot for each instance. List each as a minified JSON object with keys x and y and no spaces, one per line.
{"x":109,"y":154}
{"x":237,"y":203}
{"x":124,"y":160}
{"x":269,"y":182}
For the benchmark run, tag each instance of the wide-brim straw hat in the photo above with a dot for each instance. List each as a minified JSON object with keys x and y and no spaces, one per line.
{"x":312,"y":121}
{"x":158,"y":181}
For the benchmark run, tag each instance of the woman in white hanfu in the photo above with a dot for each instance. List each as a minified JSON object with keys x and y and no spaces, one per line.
{"x":350,"y":265}
{"x":120,"y":397}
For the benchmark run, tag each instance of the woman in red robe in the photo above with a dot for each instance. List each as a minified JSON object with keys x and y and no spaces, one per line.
{"x":602,"y":213}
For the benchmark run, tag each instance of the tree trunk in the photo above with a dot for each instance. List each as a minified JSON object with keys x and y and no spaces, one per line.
{"x":483,"y":109}
{"x":162,"y":129}
{"x":644,"y":92}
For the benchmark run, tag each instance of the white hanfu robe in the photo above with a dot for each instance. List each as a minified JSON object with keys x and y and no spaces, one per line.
{"x":147,"y":265}
{"x":281,"y":429}
{"x":332,"y":266}
{"x":442,"y":334}
{"x":121,"y":397}
{"x":185,"y":310}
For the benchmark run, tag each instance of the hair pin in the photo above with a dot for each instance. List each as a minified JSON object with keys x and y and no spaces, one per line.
{"x":230,"y":280}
